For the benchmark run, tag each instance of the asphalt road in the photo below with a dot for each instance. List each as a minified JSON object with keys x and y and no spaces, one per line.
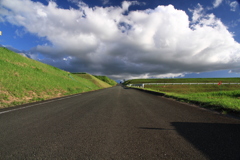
{"x":117,"y":123}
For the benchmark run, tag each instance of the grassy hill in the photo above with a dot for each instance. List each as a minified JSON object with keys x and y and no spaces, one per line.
{"x":24,"y":80}
{"x":93,"y":79}
{"x":107,"y":80}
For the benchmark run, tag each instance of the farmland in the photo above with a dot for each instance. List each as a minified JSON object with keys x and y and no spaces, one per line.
{"x":225,"y":97}
{"x":184,"y":80}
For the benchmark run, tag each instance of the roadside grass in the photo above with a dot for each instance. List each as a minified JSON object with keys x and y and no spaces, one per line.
{"x":93,"y":79}
{"x":191,"y":89}
{"x":23,"y":80}
{"x":219,"y":97}
{"x":107,"y":80}
{"x":225,"y":98}
{"x":184,"y":80}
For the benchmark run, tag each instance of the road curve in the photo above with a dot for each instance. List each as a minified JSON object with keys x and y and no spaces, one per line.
{"x":117,"y":123}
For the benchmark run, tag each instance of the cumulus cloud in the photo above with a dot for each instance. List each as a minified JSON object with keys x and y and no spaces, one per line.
{"x":160,"y":42}
{"x":197,"y":13}
{"x":217,"y":3}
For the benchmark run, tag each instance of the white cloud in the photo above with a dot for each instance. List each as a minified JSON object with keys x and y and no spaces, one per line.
{"x":67,"y":58}
{"x":197,"y":13}
{"x":217,"y":3}
{"x":75,"y":1}
{"x":105,"y":2}
{"x":20,"y":33}
{"x":156,"y":42}
{"x":235,"y":71}
{"x":233,"y":5}
{"x":167,"y":75}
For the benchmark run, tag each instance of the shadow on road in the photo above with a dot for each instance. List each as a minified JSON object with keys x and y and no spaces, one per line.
{"x":215,"y":140}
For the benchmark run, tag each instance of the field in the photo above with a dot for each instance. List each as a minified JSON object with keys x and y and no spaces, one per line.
{"x":220,"y":97}
{"x":185,"y":80}
{"x":24,"y":80}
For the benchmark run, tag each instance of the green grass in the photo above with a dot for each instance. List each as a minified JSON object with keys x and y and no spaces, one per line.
{"x":184,"y":80}
{"x":225,"y":98}
{"x":191,"y":89}
{"x":93,"y":79}
{"x":107,"y":80}
{"x":24,"y":80}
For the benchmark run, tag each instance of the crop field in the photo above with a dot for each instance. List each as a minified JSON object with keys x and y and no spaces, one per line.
{"x":225,"y":97}
{"x":184,"y":80}
{"x":191,"y":89}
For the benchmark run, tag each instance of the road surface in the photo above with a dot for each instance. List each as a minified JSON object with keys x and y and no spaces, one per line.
{"x":117,"y":123}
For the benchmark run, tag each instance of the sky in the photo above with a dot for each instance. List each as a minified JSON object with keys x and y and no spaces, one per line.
{"x":127,"y":39}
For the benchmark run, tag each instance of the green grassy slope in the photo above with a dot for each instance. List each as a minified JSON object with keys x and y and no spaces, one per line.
{"x":93,"y":79}
{"x":107,"y":80}
{"x":24,"y":80}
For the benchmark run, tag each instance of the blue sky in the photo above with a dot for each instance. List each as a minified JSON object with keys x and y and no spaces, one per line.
{"x":127,"y":39}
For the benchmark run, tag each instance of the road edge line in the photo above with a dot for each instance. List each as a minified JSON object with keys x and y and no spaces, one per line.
{"x":39,"y":103}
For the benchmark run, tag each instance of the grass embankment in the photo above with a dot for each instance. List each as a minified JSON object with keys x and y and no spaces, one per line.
{"x":93,"y":79}
{"x":220,"y":97}
{"x":107,"y":80}
{"x":23,"y":80}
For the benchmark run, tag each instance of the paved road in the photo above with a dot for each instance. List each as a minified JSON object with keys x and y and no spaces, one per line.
{"x":117,"y":123}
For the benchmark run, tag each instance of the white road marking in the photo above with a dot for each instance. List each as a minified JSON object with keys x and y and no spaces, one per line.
{"x":37,"y":104}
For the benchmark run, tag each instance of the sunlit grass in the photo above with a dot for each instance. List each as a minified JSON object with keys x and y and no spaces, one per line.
{"x":185,"y":80}
{"x":25,"y":80}
{"x":222,"y":97}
